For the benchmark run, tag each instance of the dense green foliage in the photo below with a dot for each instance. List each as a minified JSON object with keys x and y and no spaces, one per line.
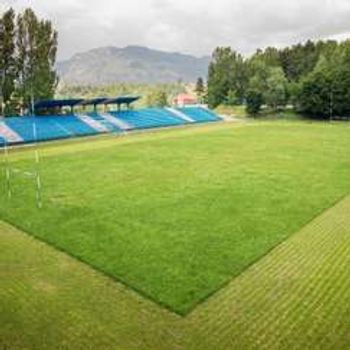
{"x":255,"y":100}
{"x":276,"y":89}
{"x":7,"y":57}
{"x":313,"y":77}
{"x":227,"y":72}
{"x":325,"y":91}
{"x":176,"y":215}
{"x":28,"y":48}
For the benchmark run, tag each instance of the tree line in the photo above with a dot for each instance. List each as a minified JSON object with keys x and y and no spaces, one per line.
{"x":28,"y":47}
{"x":313,"y":77}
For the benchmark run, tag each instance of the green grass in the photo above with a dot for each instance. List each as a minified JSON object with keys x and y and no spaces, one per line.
{"x":266,"y":113}
{"x":177,"y":216}
{"x":297,"y":297}
{"x":49,"y":301}
{"x":233,"y":111}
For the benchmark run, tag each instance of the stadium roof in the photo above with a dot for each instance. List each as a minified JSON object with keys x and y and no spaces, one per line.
{"x":82,"y":102}
{"x":94,"y":101}
{"x":121,"y":100}
{"x":57,"y":103}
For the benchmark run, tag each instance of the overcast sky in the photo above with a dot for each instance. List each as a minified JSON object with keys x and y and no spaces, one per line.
{"x":190,"y":26}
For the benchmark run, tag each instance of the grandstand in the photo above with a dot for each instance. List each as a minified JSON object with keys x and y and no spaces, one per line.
{"x":51,"y":125}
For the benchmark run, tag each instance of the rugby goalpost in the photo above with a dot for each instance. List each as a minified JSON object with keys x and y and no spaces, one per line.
{"x":34,"y":174}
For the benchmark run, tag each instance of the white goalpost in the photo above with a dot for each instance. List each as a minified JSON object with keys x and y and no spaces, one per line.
{"x":36,"y":173}
{"x":32,"y":174}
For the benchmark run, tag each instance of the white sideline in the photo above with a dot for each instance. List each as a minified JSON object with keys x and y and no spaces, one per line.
{"x":180,"y":114}
{"x":8,"y":134}
{"x":121,"y":124}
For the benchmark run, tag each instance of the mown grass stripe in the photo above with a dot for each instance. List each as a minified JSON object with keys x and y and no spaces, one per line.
{"x":319,"y":254}
{"x":284,"y":321}
{"x":50,"y":301}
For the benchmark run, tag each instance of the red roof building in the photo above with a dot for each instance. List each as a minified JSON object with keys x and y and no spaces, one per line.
{"x":184,"y":100}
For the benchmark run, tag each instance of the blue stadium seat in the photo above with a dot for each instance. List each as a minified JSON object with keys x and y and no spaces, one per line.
{"x":148,"y":118}
{"x":23,"y":127}
{"x":163,"y":117}
{"x":75,"y":126}
{"x":63,"y":126}
{"x":199,"y":114}
{"x":49,"y":127}
{"x":134,"y":119}
{"x":98,"y":117}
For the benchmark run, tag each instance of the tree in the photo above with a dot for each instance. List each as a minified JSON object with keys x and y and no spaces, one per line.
{"x":218,"y":82}
{"x":37,"y":47}
{"x":7,"y":58}
{"x":300,"y":60}
{"x":254,"y":101}
{"x":269,"y":58}
{"x":259,"y":80}
{"x":340,"y":81}
{"x":316,"y":90}
{"x":276,"y":93}
{"x":232,"y":98}
{"x":227,"y":71}
{"x":293,"y":93}
{"x":200,"y":88}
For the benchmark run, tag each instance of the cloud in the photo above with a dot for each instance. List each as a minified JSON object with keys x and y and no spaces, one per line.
{"x":195,"y":26}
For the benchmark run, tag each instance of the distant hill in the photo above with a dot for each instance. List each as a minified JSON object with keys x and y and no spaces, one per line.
{"x":132,"y":64}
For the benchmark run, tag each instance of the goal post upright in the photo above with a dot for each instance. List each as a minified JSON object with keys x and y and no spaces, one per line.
{"x":37,"y":178}
{"x":8,"y":188}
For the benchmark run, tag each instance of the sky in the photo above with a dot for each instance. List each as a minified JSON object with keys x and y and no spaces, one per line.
{"x":190,"y":26}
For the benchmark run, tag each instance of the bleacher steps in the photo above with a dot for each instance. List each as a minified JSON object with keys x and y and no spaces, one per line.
{"x":121,"y":124}
{"x":92,"y":123}
{"x":179,"y":114}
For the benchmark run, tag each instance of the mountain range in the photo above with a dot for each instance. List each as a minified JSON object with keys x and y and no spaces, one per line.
{"x":132,"y":64}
